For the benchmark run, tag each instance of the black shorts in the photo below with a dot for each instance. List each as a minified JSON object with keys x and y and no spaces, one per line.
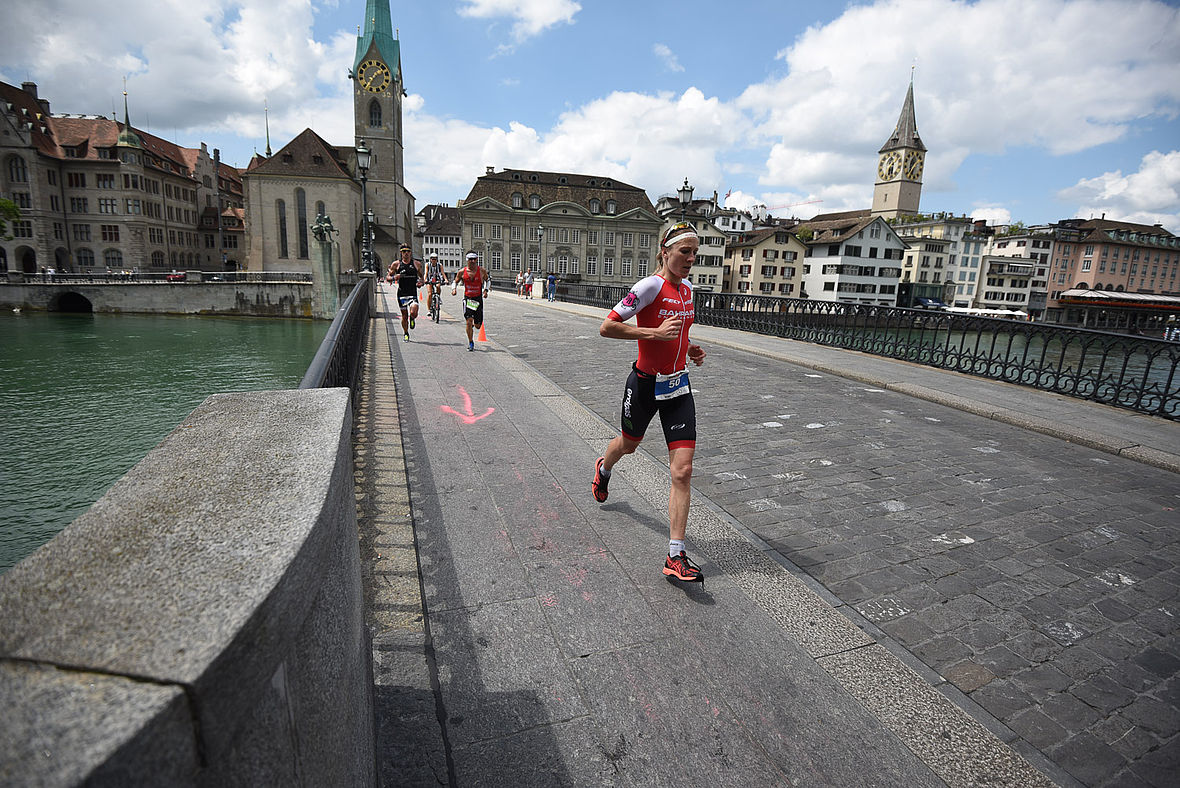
{"x":678,"y":415}
{"x":475,"y":314}
{"x":405,"y":299}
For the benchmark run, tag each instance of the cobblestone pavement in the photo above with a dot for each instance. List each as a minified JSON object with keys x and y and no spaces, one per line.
{"x":1038,"y":576}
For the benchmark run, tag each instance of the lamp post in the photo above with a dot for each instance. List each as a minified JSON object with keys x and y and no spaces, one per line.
{"x":364,"y":159}
{"x":685,"y":195}
{"x":540,"y":247}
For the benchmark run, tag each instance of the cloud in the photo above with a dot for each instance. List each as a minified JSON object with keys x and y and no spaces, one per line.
{"x":988,"y":79}
{"x":671,"y":62}
{"x":533,"y":17}
{"x":213,"y":78}
{"x":1148,"y":196}
{"x":991,"y":213}
{"x":634,"y":137}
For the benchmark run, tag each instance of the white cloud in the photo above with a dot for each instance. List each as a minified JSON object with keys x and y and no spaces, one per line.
{"x":533,"y":17}
{"x":988,"y":79}
{"x":636,"y":138}
{"x":991,"y":213}
{"x":664,"y":53}
{"x":1148,"y":196}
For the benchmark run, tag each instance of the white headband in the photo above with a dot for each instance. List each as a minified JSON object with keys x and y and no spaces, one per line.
{"x":680,"y":236}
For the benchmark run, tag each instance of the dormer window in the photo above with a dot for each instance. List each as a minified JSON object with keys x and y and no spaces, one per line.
{"x":535,"y":202}
{"x":595,"y":206}
{"x":611,"y":207}
{"x":563,"y":179}
{"x":288,"y":158}
{"x":517,"y":200}
{"x":533,"y":178}
{"x":317,"y":159}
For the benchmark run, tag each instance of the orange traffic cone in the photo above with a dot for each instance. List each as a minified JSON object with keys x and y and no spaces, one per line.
{"x":483,"y":337}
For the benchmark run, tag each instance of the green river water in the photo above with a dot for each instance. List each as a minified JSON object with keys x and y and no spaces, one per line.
{"x":84,"y":397}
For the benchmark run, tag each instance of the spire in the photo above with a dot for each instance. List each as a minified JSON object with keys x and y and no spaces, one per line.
{"x":127,"y":137}
{"x":266,"y":116}
{"x":906,"y":133}
{"x":379,"y":31}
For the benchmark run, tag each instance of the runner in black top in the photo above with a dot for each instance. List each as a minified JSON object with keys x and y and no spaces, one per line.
{"x":408,"y":276}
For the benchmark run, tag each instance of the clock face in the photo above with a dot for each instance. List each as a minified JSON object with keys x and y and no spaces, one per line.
{"x":913,"y":165}
{"x":890,"y":165}
{"x":373,"y":76}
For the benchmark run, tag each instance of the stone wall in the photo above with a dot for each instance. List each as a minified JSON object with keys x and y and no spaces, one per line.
{"x":248,"y":299}
{"x":202,"y":624}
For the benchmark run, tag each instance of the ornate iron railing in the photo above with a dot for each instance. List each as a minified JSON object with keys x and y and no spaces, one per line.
{"x":1133,"y":372}
{"x":337,"y":361}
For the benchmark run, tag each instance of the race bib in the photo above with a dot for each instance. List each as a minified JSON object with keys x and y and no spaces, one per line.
{"x":472,"y":303}
{"x":672,"y":385}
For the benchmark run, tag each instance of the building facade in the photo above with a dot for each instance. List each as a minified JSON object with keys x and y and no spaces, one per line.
{"x":852,"y":257}
{"x":766,"y":262}
{"x":1036,"y":247}
{"x":439,"y":232}
{"x":583,"y":228}
{"x":96,"y":194}
{"x":287,"y":191}
{"x":1007,"y":283}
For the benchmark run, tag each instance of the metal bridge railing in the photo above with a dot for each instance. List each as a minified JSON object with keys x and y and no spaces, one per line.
{"x":337,"y":361}
{"x":1137,"y":373}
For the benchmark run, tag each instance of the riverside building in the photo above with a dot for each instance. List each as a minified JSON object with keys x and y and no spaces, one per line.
{"x":584,"y":228}
{"x":96,"y":194}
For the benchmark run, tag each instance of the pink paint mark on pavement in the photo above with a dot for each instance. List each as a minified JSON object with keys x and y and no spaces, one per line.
{"x":469,"y":417}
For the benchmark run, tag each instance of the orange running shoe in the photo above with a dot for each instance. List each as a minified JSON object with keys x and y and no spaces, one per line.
{"x":600,"y":482}
{"x":681,"y":568}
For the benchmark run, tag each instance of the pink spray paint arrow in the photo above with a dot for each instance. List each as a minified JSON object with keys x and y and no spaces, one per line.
{"x":469,"y":417}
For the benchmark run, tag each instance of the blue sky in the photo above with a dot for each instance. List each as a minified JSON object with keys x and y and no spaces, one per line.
{"x":1032,"y":110}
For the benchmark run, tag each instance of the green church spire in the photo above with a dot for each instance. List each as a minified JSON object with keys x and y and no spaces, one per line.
{"x":379,"y":31}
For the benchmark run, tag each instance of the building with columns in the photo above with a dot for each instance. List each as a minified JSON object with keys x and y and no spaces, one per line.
{"x":584,"y":228}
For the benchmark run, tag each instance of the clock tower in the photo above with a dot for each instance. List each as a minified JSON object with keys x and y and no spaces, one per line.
{"x":377,"y":92}
{"x":899,"y":166}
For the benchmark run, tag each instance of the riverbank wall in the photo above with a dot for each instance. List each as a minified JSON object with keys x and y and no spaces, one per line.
{"x":202,"y":624}
{"x":245,"y":299}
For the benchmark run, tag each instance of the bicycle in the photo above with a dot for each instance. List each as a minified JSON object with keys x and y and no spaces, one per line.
{"x":435,"y":305}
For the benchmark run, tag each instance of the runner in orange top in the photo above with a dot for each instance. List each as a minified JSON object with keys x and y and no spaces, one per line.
{"x":476,"y":284}
{"x":663,"y":309}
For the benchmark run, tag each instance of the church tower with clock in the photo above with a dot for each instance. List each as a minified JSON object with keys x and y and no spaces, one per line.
{"x":899,"y":166}
{"x":377,"y":112}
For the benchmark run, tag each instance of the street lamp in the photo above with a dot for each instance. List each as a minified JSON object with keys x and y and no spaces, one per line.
{"x":685,"y":194}
{"x":364,"y":159}
{"x":540,"y":247}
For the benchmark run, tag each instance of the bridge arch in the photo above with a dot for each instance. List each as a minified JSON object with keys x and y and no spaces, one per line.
{"x":71,"y":301}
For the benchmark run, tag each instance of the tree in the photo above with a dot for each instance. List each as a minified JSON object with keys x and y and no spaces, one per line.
{"x":8,"y":213}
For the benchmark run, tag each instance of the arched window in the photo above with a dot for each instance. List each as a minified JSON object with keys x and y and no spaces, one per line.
{"x":301,"y":221}
{"x":172,"y":257}
{"x":595,"y":205}
{"x":611,"y":206}
{"x":113,"y":258}
{"x":517,"y":200}
{"x":281,"y":211}
{"x":157,"y":259}
{"x":17,"y":171}
{"x":375,"y":113}
{"x":84,"y":257}
{"x":535,"y":201}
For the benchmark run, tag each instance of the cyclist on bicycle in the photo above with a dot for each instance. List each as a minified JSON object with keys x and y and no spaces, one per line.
{"x":435,"y":278}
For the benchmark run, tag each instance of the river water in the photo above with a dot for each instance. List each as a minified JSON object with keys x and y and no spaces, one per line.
{"x":83,"y":398}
